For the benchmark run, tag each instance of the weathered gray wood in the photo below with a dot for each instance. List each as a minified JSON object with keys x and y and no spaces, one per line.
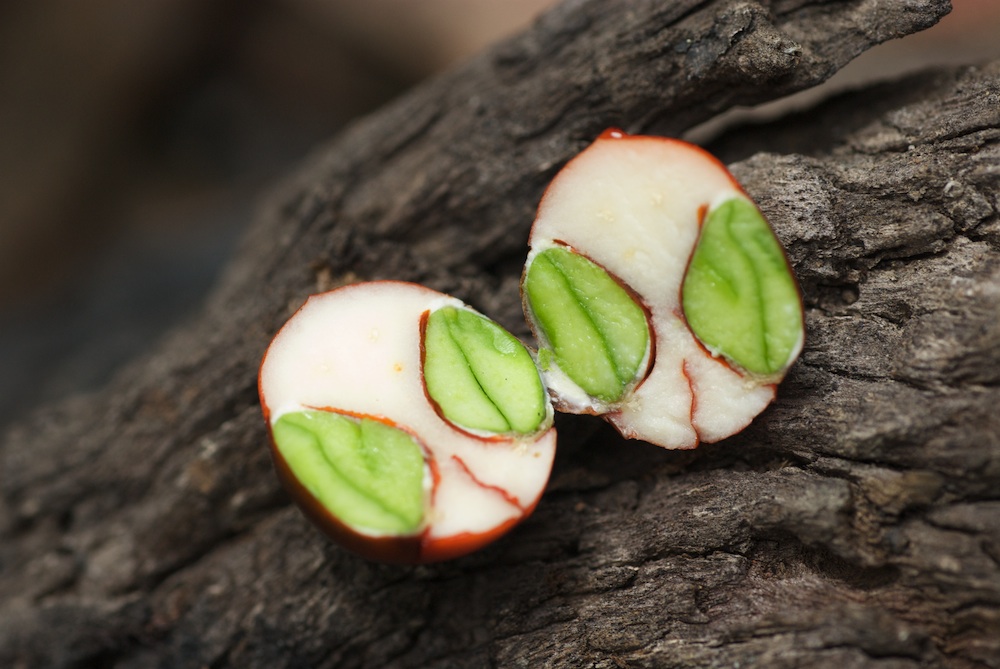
{"x":855,"y":524}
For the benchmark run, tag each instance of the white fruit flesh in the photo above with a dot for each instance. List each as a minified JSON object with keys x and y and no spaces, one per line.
{"x":357,"y":350}
{"x":633,"y":205}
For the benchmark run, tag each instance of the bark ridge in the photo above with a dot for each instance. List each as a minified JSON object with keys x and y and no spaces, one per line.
{"x":854,"y":524}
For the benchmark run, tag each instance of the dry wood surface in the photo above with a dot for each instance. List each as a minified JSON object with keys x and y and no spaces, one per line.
{"x":856,"y":523}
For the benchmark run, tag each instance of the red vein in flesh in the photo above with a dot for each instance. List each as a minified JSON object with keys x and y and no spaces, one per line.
{"x":702,"y":211}
{"x":361,"y":415}
{"x":694,"y":398}
{"x":510,"y":499}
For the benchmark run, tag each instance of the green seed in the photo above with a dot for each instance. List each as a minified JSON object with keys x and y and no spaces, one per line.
{"x":739,"y":296}
{"x":366,"y":473}
{"x":597,"y":333}
{"x":480,"y":376}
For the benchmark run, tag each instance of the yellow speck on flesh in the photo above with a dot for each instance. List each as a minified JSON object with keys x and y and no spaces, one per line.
{"x":398,"y":367}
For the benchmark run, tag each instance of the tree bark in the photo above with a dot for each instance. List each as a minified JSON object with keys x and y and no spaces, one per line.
{"x":856,"y":523}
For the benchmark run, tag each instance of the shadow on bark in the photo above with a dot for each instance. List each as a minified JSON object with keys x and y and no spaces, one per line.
{"x":854,"y":524}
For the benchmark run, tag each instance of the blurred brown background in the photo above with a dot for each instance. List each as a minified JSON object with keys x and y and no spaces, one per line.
{"x":136,"y":138}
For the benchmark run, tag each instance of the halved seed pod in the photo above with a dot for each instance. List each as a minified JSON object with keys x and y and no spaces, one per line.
{"x":405,"y":425}
{"x":667,"y":354}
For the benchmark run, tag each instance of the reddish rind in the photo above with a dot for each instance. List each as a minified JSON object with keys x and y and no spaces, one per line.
{"x":773,"y":387}
{"x":621,"y":135}
{"x":396,"y":550}
{"x":417,"y":548}
{"x":543,"y":217}
{"x":409,"y":549}
{"x":457,"y":545}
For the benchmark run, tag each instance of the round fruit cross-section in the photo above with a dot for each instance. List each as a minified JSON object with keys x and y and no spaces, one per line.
{"x":405,"y":425}
{"x":614,"y":238}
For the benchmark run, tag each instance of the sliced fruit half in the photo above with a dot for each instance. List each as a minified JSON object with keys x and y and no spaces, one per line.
{"x":407,"y":426}
{"x":660,"y":297}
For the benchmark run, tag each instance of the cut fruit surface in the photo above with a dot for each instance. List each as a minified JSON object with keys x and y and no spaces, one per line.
{"x":411,"y":428}
{"x":633,"y":206}
{"x":344,"y":378}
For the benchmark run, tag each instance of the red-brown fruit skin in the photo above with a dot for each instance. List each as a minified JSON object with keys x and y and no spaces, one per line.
{"x":410,"y":549}
{"x":405,"y":550}
{"x":616,"y":134}
{"x":395,"y":550}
